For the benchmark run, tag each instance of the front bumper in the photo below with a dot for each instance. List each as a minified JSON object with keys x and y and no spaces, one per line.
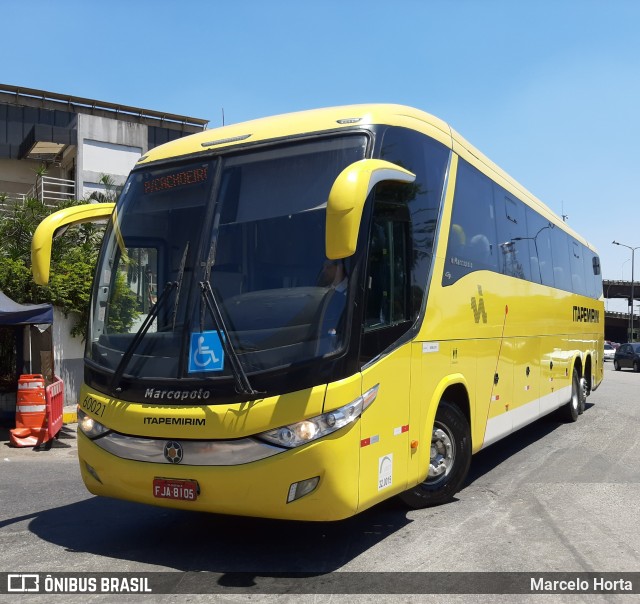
{"x":258,"y":488}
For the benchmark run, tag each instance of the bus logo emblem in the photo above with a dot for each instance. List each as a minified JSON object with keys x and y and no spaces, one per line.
{"x":173,"y":452}
{"x":478,"y":307}
{"x":205,"y":352}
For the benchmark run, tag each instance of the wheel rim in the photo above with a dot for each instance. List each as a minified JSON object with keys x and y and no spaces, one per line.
{"x":582,"y":395}
{"x":443,"y":453}
{"x":575,"y":398}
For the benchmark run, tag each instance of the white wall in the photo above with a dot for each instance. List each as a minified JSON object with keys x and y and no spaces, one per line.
{"x":109,"y":158}
{"x":68,"y":356}
{"x":107,"y":146}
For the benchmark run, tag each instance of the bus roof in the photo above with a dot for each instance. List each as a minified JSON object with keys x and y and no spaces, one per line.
{"x":344,"y":117}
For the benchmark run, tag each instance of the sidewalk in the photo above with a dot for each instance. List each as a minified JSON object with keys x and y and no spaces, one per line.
{"x":64,"y":445}
{"x":70,"y":414}
{"x":66,"y":438}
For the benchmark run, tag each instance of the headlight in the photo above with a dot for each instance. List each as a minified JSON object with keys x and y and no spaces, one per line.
{"x":89,"y":426}
{"x":313,"y":428}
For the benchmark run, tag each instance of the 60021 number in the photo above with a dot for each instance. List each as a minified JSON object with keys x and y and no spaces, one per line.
{"x":91,"y":404}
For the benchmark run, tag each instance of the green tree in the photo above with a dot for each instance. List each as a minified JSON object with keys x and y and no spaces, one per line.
{"x":73,"y":260}
{"x":110,"y":193}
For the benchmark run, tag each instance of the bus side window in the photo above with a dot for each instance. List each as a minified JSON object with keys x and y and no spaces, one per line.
{"x":387,"y":275}
{"x":472,"y":244}
{"x":387,"y":312}
{"x":514,"y":243}
{"x":592,"y":273}
{"x":539,"y":238}
{"x":577,"y":267}
{"x":561,"y":260}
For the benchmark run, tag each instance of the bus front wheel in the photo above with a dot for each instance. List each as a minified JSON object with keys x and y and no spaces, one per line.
{"x":449,"y":459}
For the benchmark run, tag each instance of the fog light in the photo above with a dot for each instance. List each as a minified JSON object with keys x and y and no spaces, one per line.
{"x":302,"y":488}
{"x":92,"y":471}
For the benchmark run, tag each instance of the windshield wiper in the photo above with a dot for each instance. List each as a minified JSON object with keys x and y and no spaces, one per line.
{"x":143,"y":329}
{"x":179,"y":284}
{"x":242,"y":381}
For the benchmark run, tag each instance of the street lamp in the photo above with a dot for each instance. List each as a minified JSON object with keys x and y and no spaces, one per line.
{"x":631,"y":317}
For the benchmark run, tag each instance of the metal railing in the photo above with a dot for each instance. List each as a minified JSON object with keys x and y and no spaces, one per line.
{"x":51,"y":191}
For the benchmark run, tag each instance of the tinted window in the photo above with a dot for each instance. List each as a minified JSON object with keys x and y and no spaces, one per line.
{"x":513,"y":239}
{"x":493,"y":230}
{"x":539,"y":233}
{"x":577,"y":267}
{"x":402,"y":232}
{"x":472,"y":242}
{"x":561,"y":263}
{"x":427,"y":159}
{"x":388,"y":275}
{"x":589,"y":275}
{"x":597,"y":274}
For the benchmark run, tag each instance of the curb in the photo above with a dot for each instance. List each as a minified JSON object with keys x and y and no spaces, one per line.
{"x":70,"y":415}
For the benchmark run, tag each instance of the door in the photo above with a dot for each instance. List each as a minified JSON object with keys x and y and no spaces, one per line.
{"x":385,"y":445}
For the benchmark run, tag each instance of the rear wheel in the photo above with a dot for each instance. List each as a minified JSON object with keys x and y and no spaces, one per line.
{"x":616,"y":365}
{"x":583,"y":391}
{"x":449,"y":459}
{"x":570,"y":411}
{"x":636,"y":367}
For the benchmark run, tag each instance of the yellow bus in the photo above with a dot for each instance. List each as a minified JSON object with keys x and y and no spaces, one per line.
{"x":301,"y":316}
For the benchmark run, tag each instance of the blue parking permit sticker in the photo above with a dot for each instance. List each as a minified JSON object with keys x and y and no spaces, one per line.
{"x":206,"y":352}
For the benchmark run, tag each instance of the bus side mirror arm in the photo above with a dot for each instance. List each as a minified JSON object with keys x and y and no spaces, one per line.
{"x":55,"y":224}
{"x":346,"y":202}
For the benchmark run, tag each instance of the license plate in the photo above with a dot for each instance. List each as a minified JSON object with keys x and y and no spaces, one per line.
{"x":175,"y":488}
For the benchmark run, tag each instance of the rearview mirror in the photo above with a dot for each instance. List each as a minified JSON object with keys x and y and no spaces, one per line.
{"x":346,"y":201}
{"x":55,"y":224}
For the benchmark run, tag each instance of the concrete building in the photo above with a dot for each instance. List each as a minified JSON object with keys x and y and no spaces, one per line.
{"x":77,"y":140}
{"x":57,"y":147}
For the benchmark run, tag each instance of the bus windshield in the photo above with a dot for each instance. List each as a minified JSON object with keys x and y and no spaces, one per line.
{"x":251,"y":227}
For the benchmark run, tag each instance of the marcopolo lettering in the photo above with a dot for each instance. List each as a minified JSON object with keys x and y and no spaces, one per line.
{"x":585,"y":314}
{"x":177,"y":395}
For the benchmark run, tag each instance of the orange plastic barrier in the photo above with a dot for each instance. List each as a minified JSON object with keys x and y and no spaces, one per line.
{"x":38,"y":411}
{"x":54,"y":394}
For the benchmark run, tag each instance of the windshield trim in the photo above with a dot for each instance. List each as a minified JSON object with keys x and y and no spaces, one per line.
{"x":367,"y":130}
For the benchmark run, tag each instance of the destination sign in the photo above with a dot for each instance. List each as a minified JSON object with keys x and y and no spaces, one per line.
{"x":179,"y":179}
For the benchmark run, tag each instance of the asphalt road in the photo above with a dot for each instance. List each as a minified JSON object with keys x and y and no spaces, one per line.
{"x":552,"y":497}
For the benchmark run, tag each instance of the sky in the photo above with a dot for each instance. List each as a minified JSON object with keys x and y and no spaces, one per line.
{"x":547,"y":89}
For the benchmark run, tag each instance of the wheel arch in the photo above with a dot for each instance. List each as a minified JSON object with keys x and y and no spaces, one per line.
{"x":577,"y":365}
{"x":455,"y":390}
{"x":588,"y":371}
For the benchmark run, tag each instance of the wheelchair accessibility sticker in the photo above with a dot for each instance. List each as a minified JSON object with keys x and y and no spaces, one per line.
{"x":206,"y":352}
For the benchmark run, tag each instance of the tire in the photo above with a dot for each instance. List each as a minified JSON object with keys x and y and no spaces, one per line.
{"x":583,"y":391}
{"x":616,"y":366}
{"x":636,"y":367}
{"x":451,"y":443}
{"x":570,"y":411}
